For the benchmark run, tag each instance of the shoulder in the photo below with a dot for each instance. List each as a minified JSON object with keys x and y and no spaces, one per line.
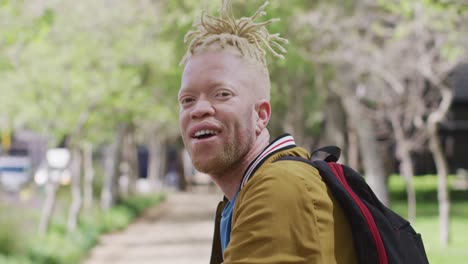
{"x":283,"y":182}
{"x":286,"y":173}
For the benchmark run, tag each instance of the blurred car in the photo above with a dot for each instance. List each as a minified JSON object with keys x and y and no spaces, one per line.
{"x":15,"y":172}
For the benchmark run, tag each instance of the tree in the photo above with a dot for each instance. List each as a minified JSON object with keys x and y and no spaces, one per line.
{"x":84,"y":69}
{"x":77,"y":198}
{"x":336,"y":42}
{"x":400,"y":60}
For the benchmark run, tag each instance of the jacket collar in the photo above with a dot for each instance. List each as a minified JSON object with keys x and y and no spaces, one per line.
{"x":283,"y":142}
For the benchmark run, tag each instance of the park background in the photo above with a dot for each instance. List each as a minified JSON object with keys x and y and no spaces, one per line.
{"x":88,"y":111}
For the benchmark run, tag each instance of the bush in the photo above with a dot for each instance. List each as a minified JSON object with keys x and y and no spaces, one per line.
{"x":59,"y":246}
{"x":11,"y":242}
{"x":138,"y":204}
{"x":14,"y":260}
{"x":54,"y":248}
{"x":116,"y":219}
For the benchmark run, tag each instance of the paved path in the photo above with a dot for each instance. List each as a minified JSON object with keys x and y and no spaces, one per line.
{"x":178,"y":232}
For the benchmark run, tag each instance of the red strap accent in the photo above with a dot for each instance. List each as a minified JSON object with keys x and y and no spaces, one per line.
{"x":338,"y":171}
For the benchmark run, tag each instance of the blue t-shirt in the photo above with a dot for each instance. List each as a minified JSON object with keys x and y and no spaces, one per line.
{"x":225,"y":225}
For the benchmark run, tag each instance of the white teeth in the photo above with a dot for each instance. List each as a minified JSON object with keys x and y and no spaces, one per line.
{"x":205,"y":132}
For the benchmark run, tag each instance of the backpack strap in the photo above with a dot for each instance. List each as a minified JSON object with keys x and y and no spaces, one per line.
{"x":339,"y":173}
{"x":363,"y":225}
{"x":327,"y":153}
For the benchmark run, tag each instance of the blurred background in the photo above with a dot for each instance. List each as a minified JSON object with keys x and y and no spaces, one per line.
{"x":89,"y":116}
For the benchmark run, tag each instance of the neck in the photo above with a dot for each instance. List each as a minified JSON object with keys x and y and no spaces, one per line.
{"x":230,"y":181}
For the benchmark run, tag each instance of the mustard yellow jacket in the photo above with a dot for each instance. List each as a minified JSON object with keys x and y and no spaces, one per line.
{"x":285,"y":214}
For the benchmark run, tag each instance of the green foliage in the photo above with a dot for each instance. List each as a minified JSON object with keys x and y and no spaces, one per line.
{"x":137,"y":204}
{"x":59,"y":246}
{"x":70,"y":59}
{"x":116,"y":220}
{"x":44,"y":250}
{"x":426,"y":186}
{"x":14,"y":260}
{"x":10,"y":239}
{"x":295,"y":71}
{"x":63,"y":63}
{"x":402,"y":7}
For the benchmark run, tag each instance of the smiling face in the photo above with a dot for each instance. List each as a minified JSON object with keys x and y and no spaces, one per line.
{"x":223,"y":109}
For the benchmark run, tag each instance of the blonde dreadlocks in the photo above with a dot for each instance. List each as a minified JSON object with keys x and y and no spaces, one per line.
{"x":244,"y":34}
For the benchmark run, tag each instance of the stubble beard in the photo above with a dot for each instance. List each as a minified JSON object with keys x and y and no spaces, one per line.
{"x":231,"y":156}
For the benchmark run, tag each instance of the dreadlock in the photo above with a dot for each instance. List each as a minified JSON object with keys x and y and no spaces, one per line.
{"x":250,"y":38}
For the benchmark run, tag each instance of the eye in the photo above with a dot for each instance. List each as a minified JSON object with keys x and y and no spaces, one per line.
{"x":186,"y":100}
{"x":223,"y":94}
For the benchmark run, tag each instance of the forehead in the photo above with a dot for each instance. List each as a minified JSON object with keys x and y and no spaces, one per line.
{"x":215,"y":67}
{"x":214,"y":60}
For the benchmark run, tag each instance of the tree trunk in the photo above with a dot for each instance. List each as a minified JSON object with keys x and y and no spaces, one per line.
{"x":335,"y":126}
{"x":183,"y":182}
{"x":130,"y":156}
{"x":372,"y":160}
{"x":442,"y":189}
{"x":88,"y":175}
{"x":110,"y":188}
{"x":353,"y":148}
{"x":406,"y":168}
{"x":157,"y":161}
{"x":433,"y":122}
{"x":188,"y":169}
{"x":295,"y":117}
{"x":77,"y":199}
{"x":406,"y":163}
{"x":50,"y":200}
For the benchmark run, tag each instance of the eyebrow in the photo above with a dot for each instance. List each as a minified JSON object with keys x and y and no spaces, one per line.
{"x":212,"y":84}
{"x":224,"y":83}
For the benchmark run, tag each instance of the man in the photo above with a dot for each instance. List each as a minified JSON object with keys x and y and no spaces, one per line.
{"x":273,"y":212}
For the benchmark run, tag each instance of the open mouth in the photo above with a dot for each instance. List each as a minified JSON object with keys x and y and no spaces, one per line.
{"x":204,"y":134}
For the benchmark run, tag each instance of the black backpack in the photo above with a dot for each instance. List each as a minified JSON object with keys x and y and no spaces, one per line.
{"x":380,"y":235}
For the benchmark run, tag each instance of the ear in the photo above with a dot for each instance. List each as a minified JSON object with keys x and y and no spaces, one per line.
{"x":263,"y":112}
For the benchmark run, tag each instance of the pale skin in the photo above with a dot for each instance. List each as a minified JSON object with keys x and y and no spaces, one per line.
{"x":224,"y":111}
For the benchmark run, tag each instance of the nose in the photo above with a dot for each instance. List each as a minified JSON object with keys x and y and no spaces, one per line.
{"x":202,"y":108}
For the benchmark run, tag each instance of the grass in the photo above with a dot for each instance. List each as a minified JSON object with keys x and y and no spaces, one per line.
{"x":427,"y":222}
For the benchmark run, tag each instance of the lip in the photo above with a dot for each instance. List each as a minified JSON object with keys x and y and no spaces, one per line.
{"x":203,"y":126}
